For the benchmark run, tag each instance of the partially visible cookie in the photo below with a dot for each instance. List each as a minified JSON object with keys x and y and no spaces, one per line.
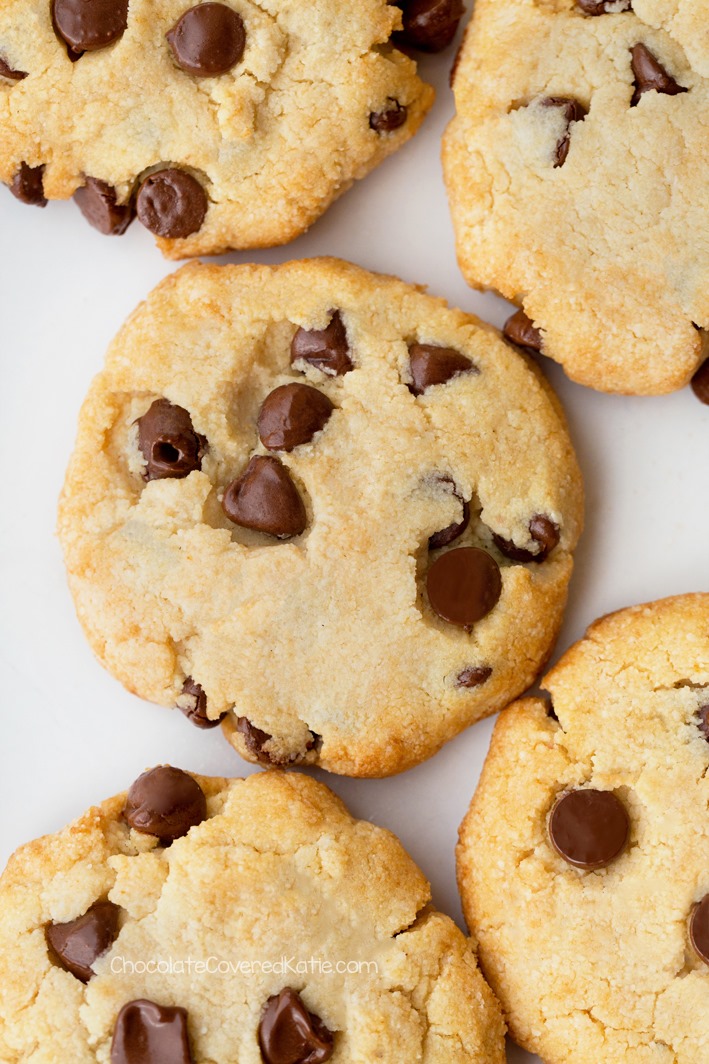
{"x":321,"y":503}
{"x":583,"y":862}
{"x":222,"y":125}
{"x":578,"y":180}
{"x":248,"y":921}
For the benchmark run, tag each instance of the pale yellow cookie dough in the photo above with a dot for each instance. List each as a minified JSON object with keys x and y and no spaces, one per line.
{"x":273,"y":141}
{"x":597,"y":967}
{"x":279,"y":870}
{"x":606,"y":253}
{"x":326,"y":642}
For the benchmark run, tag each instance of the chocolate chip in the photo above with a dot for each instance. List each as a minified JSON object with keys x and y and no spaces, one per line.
{"x":6,"y":71}
{"x":603,"y":7}
{"x":452,"y":532}
{"x":265,"y":499}
{"x":165,"y":802}
{"x":700,"y":383}
{"x":196,"y":711}
{"x":289,"y":1034}
{"x":650,"y":75}
{"x":544,"y":533}
{"x":256,"y":739}
{"x":325,"y":349}
{"x":430,"y":25}
{"x":430,"y":365}
{"x":573,"y":111}
{"x":98,"y":203}
{"x":703,"y":721}
{"x":390,"y":119}
{"x":87,"y":25}
{"x":77,"y":944}
{"x":146,"y":1033}
{"x":27,"y":185}
{"x":169,"y":443}
{"x":474,"y":676}
{"x":463,"y":585}
{"x":521,"y":330}
{"x":291,"y":415}
{"x":208,"y":40}
{"x":699,"y":928}
{"x":589,"y":828}
{"x":171,"y":203}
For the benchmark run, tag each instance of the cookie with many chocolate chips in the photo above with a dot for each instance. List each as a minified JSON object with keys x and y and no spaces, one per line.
{"x":319,"y":503}
{"x":276,"y":929}
{"x":217,"y":125}
{"x":578,"y":175}
{"x":583,"y":863}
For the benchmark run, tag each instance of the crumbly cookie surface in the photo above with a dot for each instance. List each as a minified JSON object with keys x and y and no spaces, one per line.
{"x":603,"y":248}
{"x":277,"y":869}
{"x":601,"y":965}
{"x":316,"y":98}
{"x":321,"y":646}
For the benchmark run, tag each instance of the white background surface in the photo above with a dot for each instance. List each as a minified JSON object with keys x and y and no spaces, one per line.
{"x":70,"y":735}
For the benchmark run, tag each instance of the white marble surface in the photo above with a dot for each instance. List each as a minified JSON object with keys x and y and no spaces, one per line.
{"x":70,"y":734}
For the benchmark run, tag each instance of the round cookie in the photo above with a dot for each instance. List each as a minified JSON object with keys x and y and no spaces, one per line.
{"x":270,"y":926}
{"x":222,"y":125}
{"x":583,"y":862}
{"x":578,"y":181}
{"x":322,"y":503}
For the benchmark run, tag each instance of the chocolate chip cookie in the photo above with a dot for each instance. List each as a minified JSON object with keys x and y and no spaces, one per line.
{"x":220,"y":125}
{"x":236,"y":921}
{"x":578,"y":180}
{"x":584,"y":860}
{"x":322,"y":506}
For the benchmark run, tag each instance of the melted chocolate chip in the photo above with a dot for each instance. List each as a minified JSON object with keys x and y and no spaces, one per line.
{"x":474,"y":676}
{"x":430,"y":25}
{"x":86,"y":25}
{"x":146,"y":1033}
{"x":703,"y":721}
{"x":27,"y":185}
{"x":6,"y":71}
{"x":463,"y":585}
{"x":256,"y":739}
{"x":603,"y":7}
{"x":544,"y":533}
{"x":521,"y":330}
{"x":165,"y":802}
{"x":98,"y":203}
{"x":650,"y":75}
{"x":172,"y":204}
{"x":196,"y":713}
{"x":168,"y":441}
{"x":700,"y":383}
{"x":265,"y":499}
{"x":573,"y":111}
{"x":699,"y":928}
{"x":430,"y":365}
{"x":289,"y":1034}
{"x":291,"y":415}
{"x":451,"y":532}
{"x":325,"y":349}
{"x":77,"y":944}
{"x":589,"y":828}
{"x":208,"y":40}
{"x":390,"y":119}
